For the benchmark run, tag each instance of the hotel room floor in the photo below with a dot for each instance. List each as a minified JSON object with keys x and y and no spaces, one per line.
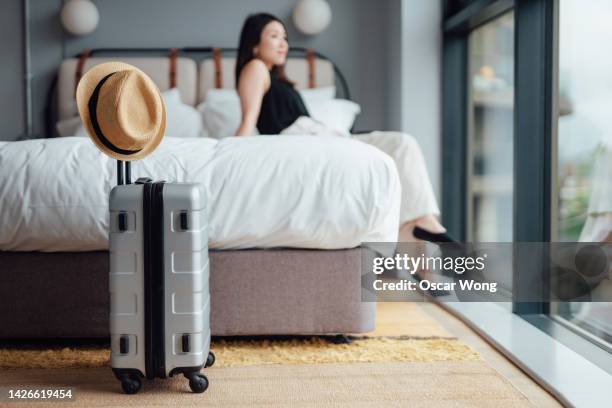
{"x":536,"y":395}
{"x":492,"y":381}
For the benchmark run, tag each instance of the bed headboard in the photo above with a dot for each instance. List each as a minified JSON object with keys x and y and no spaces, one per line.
{"x":215,"y":69}
{"x":158,"y":68}
{"x":219,"y":73}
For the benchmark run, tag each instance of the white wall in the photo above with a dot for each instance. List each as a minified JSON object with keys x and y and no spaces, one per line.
{"x":414,"y":76}
{"x":186,"y":23}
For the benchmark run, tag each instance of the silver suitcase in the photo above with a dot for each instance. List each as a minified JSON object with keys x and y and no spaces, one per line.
{"x":159,"y":272}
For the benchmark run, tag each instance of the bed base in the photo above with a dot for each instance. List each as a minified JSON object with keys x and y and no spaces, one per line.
{"x":253,"y":292}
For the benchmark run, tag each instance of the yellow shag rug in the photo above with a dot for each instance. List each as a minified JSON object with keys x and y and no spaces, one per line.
{"x":404,"y":333}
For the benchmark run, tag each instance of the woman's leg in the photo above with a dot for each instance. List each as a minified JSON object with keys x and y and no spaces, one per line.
{"x":406,"y":232}
{"x":430,"y":223}
{"x":418,"y":202}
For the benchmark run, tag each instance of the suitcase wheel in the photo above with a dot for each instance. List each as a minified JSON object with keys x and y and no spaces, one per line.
{"x":197,"y":382}
{"x":131,"y":384}
{"x":210,"y":360}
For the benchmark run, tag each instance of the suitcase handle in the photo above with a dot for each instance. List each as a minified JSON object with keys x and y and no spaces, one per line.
{"x":128,"y":172}
{"x":143,"y":180}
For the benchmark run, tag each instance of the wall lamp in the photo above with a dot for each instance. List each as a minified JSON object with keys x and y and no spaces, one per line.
{"x":312,"y":16}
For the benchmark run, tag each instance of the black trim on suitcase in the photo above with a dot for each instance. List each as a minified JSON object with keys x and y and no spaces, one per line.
{"x":146,"y":215}
{"x":153,"y":210}
{"x":158,"y":268}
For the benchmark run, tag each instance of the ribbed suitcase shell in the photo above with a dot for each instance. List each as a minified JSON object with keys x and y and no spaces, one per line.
{"x":186,"y":275}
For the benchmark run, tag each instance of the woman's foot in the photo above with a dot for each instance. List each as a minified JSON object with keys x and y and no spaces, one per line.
{"x":429,"y":223}
{"x":450,"y":246}
{"x":410,"y":232}
{"x":436,"y":237}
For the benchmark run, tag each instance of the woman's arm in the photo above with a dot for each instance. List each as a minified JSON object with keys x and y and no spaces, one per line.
{"x":253,"y":84}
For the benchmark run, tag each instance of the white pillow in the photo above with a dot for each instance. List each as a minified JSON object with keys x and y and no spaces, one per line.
{"x":318,"y":94}
{"x":181,"y":120}
{"x":221,"y":113}
{"x":222,"y":95}
{"x":334,"y":113}
{"x":220,"y":118}
{"x":311,"y":94}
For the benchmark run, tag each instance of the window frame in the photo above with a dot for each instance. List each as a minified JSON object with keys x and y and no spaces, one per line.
{"x":535,"y":142}
{"x":535,"y":27}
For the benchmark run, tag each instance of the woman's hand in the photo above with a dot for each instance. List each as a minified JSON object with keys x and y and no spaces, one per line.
{"x":253,"y":83}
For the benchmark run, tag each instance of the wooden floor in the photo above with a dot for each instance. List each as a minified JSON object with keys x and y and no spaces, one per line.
{"x":491,"y":381}
{"x":441,"y":384}
{"x":521,"y":381}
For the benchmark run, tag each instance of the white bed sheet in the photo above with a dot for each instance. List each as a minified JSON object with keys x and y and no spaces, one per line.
{"x":290,"y":191}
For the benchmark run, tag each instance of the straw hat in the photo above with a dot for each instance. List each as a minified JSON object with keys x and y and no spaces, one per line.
{"x":122,"y":110}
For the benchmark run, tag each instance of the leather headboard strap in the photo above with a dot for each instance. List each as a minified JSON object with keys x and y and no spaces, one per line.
{"x":310,"y":59}
{"x":172,"y":71}
{"x":79,"y":68}
{"x":218,"y":71}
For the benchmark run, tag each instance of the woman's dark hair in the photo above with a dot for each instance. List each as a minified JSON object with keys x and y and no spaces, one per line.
{"x":249,"y":38}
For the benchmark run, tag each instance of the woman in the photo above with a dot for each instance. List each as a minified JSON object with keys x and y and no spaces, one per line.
{"x":270,"y":102}
{"x":267,"y":97}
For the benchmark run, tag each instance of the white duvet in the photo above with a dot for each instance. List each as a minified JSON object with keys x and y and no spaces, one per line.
{"x":290,"y":191}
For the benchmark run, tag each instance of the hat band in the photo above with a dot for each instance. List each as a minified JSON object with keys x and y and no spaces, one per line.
{"x":93,"y":103}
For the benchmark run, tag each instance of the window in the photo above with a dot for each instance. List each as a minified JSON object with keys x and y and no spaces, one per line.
{"x":584,"y":148}
{"x":527,"y":145}
{"x":491,"y":131}
{"x":584,"y":136}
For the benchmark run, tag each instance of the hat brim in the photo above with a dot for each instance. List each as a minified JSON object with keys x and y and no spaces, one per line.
{"x":85,"y":89}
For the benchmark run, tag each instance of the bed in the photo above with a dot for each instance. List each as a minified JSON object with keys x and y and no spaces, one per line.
{"x":286,"y":216}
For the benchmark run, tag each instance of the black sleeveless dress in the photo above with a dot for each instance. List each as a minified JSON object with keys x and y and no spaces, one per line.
{"x":280,"y":107}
